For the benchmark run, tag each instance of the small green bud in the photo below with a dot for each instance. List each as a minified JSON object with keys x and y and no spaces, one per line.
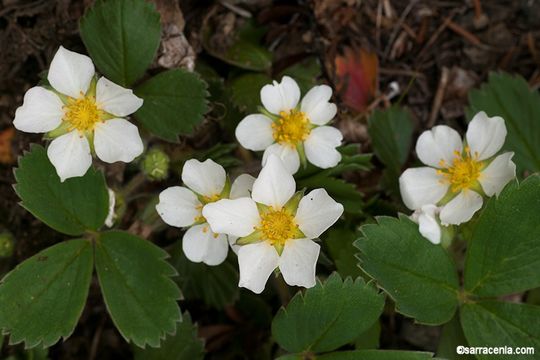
{"x":155,"y":164}
{"x":7,"y":244}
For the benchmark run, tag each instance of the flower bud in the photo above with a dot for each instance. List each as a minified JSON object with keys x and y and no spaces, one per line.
{"x":155,"y":164}
{"x":7,"y":244}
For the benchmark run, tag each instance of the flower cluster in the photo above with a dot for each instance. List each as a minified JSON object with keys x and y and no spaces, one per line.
{"x":82,"y":114}
{"x":459,"y":174}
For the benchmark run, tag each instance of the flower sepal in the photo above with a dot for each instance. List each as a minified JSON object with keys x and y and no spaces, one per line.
{"x":254,"y":237}
{"x":292,"y":205}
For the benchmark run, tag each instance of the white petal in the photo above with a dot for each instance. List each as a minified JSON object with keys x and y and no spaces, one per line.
{"x":498,"y":173}
{"x":421,"y":186}
{"x":200,"y":244}
{"x":254,"y":132}
{"x":232,"y":243}
{"x":317,"y":211}
{"x":256,"y":263}
{"x":461,"y":208}
{"x":439,"y":143}
{"x":275,"y":185}
{"x":70,"y":73}
{"x":115,"y":99}
{"x":111,"y":216}
{"x":316,"y":106}
{"x":241,"y":186}
{"x":282,"y":96}
{"x":485,"y":135}
{"x":117,"y":140}
{"x":40,"y":112}
{"x":178,"y":206}
{"x":288,"y":155}
{"x":70,"y":155}
{"x":237,"y":217}
{"x":321,"y":146}
{"x":427,"y":223}
{"x":298,"y":261}
{"x":205,"y":178}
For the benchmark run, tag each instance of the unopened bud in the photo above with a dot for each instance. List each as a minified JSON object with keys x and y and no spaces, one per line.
{"x":7,"y":244}
{"x":155,"y":164}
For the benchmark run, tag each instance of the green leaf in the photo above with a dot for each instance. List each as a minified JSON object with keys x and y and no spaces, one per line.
{"x":43,"y":297}
{"x":136,"y":287}
{"x":245,"y":91}
{"x":305,"y":73}
{"x":510,"y":97}
{"x":72,"y":207}
{"x":184,"y":345}
{"x":503,"y":255}
{"x":327,"y":316}
{"x":451,"y":337}
{"x":495,"y":324}
{"x":369,"y":339}
{"x":217,"y":286}
{"x":174,"y":102}
{"x":418,"y":275}
{"x":376,"y":355}
{"x":245,"y":51}
{"x":339,"y":243}
{"x":122,"y":37}
{"x":391,"y":136}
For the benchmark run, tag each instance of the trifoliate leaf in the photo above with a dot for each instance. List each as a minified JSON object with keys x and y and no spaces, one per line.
{"x":136,"y":286}
{"x":72,"y":207}
{"x":174,"y":102}
{"x":419,"y":276}
{"x":496,"y":324}
{"x":245,"y":91}
{"x":43,"y":297}
{"x":504,"y":252}
{"x":217,"y":286}
{"x":122,"y":37}
{"x":510,"y":97}
{"x":327,"y":316}
{"x":184,"y":345}
{"x":391,"y":136}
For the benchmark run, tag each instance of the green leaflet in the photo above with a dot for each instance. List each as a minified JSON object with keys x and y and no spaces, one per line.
{"x":43,"y":297}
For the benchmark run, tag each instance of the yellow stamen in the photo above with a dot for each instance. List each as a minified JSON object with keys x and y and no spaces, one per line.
{"x":291,"y":128}
{"x":82,"y":113}
{"x":464,"y":171}
{"x":278,"y":226}
{"x":211,"y":199}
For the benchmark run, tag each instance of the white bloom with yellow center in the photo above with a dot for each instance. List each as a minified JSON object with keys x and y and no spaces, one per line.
{"x":459,"y":173}
{"x":206,"y":182}
{"x":291,"y":130}
{"x":83,"y":115}
{"x":275,"y":227}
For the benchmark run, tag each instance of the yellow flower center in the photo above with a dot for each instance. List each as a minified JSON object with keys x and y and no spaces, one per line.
{"x":278,"y":226}
{"x":291,"y":128}
{"x":464,"y":171}
{"x":82,"y":113}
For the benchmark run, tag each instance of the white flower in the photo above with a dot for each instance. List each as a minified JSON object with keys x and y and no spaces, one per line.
{"x":459,"y":174}
{"x":290,"y":130}
{"x":428,"y":225}
{"x":276,"y":227}
{"x":83,"y":115}
{"x":182,"y":207}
